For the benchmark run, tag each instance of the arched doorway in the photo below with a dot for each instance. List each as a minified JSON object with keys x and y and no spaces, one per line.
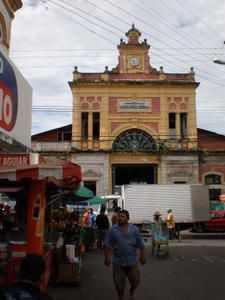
{"x":133,"y":141}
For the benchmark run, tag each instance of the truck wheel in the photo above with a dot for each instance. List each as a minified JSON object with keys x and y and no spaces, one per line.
{"x":153,"y":249}
{"x":199,"y":228}
{"x":177,"y":234}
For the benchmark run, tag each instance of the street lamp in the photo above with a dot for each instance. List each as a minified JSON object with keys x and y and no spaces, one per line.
{"x":219,"y":61}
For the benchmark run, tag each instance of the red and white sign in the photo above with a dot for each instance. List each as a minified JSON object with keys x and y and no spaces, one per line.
{"x":14,"y":160}
{"x":66,"y":171}
{"x":15,"y":102}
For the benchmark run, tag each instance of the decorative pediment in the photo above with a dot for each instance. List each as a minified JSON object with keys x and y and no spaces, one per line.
{"x":91,"y":173}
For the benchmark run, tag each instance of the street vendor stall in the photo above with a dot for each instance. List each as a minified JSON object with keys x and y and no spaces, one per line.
{"x":34,"y":188}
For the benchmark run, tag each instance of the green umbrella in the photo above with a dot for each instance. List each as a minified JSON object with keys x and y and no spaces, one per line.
{"x":96,"y":200}
{"x":84,"y":192}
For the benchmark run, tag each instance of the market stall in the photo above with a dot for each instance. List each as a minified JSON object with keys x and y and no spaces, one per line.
{"x":34,"y":189}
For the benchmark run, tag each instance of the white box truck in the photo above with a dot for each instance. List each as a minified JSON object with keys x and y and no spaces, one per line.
{"x":189,"y":203}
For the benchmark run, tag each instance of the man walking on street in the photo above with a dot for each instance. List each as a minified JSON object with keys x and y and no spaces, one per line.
{"x":115,"y":215}
{"x":102,"y":224}
{"x":170,"y":224}
{"x":124,"y":239}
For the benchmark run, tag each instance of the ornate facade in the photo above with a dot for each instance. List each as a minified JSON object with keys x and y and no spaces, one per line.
{"x":141,"y":120}
{"x":136,"y":124}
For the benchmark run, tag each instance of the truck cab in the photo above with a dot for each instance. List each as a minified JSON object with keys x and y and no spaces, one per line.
{"x":111,"y":201}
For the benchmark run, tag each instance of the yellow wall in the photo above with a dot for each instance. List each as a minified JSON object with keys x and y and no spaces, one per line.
{"x":133,"y":120}
{"x":134,"y":80}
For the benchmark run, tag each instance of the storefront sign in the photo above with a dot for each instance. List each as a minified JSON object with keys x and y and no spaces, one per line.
{"x":8,"y":95}
{"x":134,"y":105}
{"x":15,"y":102}
{"x":14,"y":160}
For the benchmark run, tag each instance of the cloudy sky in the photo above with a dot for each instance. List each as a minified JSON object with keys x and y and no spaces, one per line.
{"x":50,"y":37}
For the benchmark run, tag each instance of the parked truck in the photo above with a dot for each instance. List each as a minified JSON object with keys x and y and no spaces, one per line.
{"x":189,"y":203}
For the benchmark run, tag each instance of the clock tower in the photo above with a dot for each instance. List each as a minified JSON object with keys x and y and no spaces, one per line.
{"x":133,"y":54}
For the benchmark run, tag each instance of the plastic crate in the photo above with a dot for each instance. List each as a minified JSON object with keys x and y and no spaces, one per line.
{"x":69,"y":272}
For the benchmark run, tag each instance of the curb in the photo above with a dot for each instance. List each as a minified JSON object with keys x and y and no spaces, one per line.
{"x":185,"y":235}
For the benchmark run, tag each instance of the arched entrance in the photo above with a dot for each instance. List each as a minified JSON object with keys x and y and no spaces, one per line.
{"x":133,"y":141}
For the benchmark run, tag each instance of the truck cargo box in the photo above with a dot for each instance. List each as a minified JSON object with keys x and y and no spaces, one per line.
{"x":189,"y":203}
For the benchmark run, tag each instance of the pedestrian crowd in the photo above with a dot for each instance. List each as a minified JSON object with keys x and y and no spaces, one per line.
{"x":122,"y":244}
{"x":123,"y":240}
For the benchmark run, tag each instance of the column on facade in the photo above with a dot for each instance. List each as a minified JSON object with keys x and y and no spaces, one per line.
{"x":192,"y":123}
{"x":178,"y":126}
{"x":90,"y":130}
{"x":104,"y":124}
{"x":164,"y":131}
{"x":76,"y":124}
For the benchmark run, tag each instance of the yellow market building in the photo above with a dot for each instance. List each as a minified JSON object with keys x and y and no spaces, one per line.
{"x":133,"y":124}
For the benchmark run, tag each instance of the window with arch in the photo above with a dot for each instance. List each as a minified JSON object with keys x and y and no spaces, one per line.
{"x":134,"y":140}
{"x":213,"y":179}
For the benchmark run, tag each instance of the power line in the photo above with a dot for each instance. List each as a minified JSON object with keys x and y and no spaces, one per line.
{"x":54,"y":108}
{"x":144,"y":22}
{"x":96,"y":56}
{"x":85,"y":27}
{"x":111,"y":49}
{"x":86,"y":19}
{"x":99,"y":19}
{"x":163,"y":20}
{"x":158,"y":55}
{"x":192,"y":13}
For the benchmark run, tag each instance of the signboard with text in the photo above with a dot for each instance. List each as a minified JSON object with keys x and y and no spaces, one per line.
{"x":134,"y":105}
{"x":15,"y":102}
{"x":14,"y":160}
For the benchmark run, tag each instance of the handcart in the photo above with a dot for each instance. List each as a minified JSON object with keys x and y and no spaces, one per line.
{"x":160,"y":240}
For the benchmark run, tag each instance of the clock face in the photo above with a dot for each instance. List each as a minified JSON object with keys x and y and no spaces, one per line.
{"x":134,"y":61}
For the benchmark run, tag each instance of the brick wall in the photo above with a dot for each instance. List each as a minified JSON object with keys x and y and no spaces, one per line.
{"x":208,"y":140}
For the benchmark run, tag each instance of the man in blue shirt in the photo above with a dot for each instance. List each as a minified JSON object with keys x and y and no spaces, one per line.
{"x":124,"y":239}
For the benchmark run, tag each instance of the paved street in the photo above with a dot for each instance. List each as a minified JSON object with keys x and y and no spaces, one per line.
{"x":194,"y":270}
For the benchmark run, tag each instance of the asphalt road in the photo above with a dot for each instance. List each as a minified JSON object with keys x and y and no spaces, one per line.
{"x":195,"y":269}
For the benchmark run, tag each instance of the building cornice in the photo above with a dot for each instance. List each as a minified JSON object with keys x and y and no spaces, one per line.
{"x":12,"y":6}
{"x":130,"y":82}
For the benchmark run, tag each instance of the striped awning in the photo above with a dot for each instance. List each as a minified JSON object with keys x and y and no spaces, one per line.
{"x":66,"y":171}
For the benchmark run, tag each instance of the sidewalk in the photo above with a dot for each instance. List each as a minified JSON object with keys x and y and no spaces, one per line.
{"x":186,"y":234}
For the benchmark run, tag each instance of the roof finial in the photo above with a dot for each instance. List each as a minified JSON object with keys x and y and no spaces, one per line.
{"x":191,"y":75}
{"x":133,"y":35}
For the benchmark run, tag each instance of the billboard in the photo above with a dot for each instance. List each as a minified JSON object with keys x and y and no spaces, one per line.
{"x":15,"y":102}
